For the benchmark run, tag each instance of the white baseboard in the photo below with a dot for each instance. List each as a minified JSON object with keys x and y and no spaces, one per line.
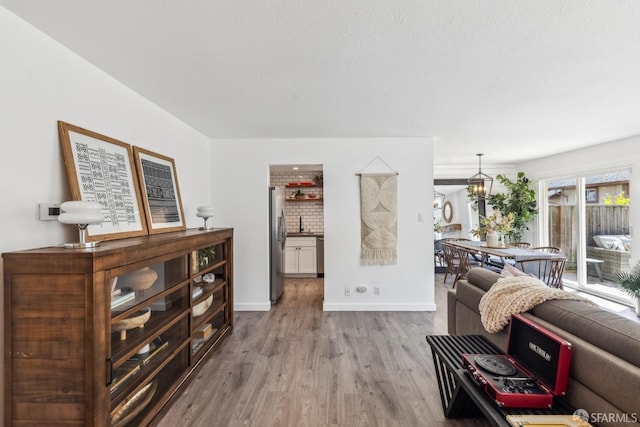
{"x":252,"y":306}
{"x":377,"y":307}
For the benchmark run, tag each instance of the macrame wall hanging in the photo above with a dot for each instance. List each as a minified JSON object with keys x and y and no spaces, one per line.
{"x":378,"y":216}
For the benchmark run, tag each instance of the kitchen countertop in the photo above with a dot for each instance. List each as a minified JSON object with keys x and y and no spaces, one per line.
{"x":305,"y":234}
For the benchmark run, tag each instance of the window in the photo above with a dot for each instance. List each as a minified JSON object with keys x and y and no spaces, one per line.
{"x":592,"y":230}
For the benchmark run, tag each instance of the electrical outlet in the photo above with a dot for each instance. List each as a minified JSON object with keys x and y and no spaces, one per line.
{"x":376,"y":290}
{"x":420,"y":217}
{"x":347,"y":292}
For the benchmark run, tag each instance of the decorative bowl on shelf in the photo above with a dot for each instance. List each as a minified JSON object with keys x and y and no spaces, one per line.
{"x":133,"y":405}
{"x":305,"y":183}
{"x":200,"y":308}
{"x":136,"y":320}
{"x":138,"y":280}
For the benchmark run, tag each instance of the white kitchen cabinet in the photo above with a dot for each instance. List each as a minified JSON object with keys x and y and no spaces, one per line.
{"x":300,"y":257}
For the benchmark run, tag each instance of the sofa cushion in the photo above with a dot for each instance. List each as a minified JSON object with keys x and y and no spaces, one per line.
{"x":618,"y":335}
{"x":511,"y":271}
{"x":616,"y":243}
{"x":482,"y":278}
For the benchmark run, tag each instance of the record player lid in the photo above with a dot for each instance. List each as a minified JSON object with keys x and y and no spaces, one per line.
{"x":544,"y":354}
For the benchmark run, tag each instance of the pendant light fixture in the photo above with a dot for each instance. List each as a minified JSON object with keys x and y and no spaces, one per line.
{"x":480,"y":184}
{"x":438,"y":199}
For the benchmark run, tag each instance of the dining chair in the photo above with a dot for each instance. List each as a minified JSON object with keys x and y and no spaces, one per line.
{"x":458,"y":262}
{"x":451,"y":260}
{"x":520,"y":244}
{"x":547,"y":249}
{"x":549,"y":270}
{"x":438,"y":252}
{"x":467,"y":260}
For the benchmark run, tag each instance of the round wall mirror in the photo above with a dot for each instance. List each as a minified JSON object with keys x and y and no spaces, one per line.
{"x":447,"y":212}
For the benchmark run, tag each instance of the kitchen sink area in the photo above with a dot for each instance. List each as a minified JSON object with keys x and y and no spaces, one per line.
{"x":304,"y":214}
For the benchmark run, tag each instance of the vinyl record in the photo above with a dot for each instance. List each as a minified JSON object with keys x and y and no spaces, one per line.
{"x":497,"y":365}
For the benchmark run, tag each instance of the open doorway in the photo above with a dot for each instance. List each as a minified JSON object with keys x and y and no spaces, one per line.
{"x":454,"y":215}
{"x":302,"y":260}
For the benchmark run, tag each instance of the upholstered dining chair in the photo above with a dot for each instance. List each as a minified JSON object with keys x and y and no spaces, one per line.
{"x":549,"y":270}
{"x":438,"y":252}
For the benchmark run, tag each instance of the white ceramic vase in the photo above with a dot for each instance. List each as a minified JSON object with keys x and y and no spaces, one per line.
{"x":492,"y":239}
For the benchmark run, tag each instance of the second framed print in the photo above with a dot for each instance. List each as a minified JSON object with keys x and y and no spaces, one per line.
{"x":160,"y":191}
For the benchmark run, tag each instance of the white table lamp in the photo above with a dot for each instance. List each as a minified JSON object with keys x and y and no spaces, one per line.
{"x":81,"y":214}
{"x":206,"y":212}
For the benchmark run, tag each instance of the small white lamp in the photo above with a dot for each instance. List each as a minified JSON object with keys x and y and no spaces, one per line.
{"x":81,"y":214}
{"x":206,"y":212}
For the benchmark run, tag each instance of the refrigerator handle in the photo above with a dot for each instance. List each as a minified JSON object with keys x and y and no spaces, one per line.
{"x":282,"y":230}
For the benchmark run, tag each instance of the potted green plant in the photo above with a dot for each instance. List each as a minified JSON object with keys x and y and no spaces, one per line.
{"x":495,"y":227}
{"x":206,"y":255}
{"x":630,"y":283}
{"x":519,"y":200}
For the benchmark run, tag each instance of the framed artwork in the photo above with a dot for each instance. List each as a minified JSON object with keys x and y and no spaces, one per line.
{"x":160,"y":191}
{"x":101,"y":169}
{"x":591,"y":195}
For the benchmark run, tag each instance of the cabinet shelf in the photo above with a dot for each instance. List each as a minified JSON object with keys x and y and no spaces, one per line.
{"x":137,"y":338}
{"x":57,"y":305}
{"x":304,"y":200}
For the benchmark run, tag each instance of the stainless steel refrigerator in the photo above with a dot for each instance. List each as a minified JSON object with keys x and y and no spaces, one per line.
{"x":277,"y":237}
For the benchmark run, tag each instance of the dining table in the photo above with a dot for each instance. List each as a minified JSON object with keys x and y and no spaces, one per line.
{"x":514,"y":253}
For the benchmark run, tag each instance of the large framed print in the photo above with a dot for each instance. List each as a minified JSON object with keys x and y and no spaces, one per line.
{"x":160,"y":191}
{"x":101,"y":169}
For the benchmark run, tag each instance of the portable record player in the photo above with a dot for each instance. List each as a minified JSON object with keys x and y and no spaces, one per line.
{"x":534,"y":370}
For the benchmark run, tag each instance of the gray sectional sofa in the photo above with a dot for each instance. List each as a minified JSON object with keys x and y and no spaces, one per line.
{"x":605,"y":367}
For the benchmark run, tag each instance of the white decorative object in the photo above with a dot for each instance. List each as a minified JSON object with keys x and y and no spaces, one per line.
{"x":81,"y":214}
{"x":206,"y":212}
{"x":200,"y":308}
{"x":135,"y":320}
{"x":209,"y":278}
{"x":138,"y":280}
{"x":493,"y":239}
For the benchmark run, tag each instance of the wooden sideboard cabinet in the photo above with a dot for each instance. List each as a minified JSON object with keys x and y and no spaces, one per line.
{"x":106,"y":336}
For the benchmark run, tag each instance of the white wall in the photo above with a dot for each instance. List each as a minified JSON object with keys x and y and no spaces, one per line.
{"x":609,"y":156}
{"x":241,"y":178}
{"x":42,"y":82}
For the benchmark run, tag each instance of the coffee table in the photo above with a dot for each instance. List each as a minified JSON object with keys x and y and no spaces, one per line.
{"x":461,"y":397}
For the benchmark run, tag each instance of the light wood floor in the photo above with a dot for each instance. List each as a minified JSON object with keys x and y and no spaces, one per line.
{"x":299,"y":366}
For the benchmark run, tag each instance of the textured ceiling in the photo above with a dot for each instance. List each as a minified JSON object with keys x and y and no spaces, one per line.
{"x":513,"y":79}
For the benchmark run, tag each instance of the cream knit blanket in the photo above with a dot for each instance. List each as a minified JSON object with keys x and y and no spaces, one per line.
{"x":518,"y":294}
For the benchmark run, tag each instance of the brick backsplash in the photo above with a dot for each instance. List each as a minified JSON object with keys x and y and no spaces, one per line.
{"x":312,"y":212}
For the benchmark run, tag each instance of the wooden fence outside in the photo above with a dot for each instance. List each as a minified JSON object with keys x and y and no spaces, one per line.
{"x":601,"y":219}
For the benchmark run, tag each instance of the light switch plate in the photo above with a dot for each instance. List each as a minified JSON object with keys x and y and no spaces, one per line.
{"x":48,"y":211}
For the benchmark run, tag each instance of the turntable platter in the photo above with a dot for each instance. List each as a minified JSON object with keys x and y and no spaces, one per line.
{"x":497,"y":365}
